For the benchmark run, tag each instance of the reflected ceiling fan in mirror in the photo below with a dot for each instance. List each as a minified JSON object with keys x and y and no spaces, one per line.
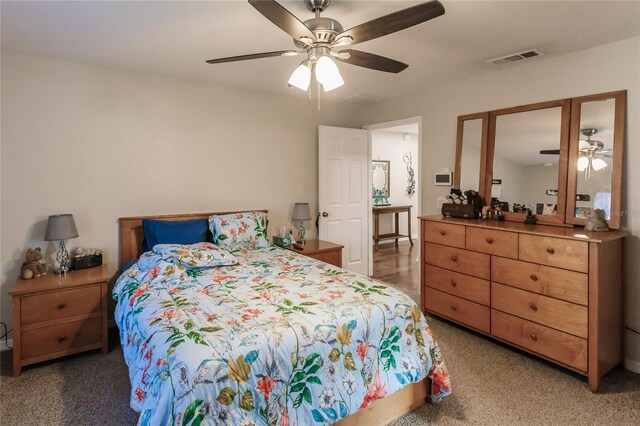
{"x":321,"y":39}
{"x":591,"y":153}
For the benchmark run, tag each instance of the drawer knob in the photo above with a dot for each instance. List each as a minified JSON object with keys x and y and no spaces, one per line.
{"x":62,"y":306}
{"x":550,"y":250}
{"x":443,"y":233}
{"x":490,"y":240}
{"x":62,"y":339}
{"x":533,"y":337}
{"x":454,"y":308}
{"x":454,"y":283}
{"x":533,"y":277}
{"x":454,"y":258}
{"x":533,"y":307}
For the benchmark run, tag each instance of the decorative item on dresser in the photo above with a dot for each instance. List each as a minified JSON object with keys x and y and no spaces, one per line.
{"x":555,"y":292}
{"x":59,"y":315}
{"x":61,"y":227}
{"x":321,"y":250}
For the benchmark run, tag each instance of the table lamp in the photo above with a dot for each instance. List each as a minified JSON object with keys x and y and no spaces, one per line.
{"x":301,"y":212}
{"x":61,"y":227}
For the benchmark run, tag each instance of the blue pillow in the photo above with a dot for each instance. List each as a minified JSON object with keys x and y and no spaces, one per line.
{"x":173,"y":232}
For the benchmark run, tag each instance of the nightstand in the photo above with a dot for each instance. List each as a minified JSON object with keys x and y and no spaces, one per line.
{"x":322,"y":250}
{"x":55,"y":315}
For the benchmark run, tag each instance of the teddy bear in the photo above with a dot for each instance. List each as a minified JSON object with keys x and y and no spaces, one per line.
{"x":596,"y":221}
{"x":34,"y":266}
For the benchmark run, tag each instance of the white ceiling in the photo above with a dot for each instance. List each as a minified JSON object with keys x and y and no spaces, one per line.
{"x":174,"y":38}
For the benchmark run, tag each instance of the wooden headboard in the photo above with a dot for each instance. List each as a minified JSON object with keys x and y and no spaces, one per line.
{"x":132,"y":233}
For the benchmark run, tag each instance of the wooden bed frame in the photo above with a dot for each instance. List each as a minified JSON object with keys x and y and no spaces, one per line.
{"x":379,"y":412}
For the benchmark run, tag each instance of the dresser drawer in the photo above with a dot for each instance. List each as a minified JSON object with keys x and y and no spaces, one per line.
{"x":559,"y":252}
{"x":561,"y":315}
{"x":461,"y":285}
{"x":455,"y":259}
{"x":444,"y":233}
{"x":562,"y":347}
{"x":49,"y":342}
{"x":460,"y":310}
{"x":500,"y":243}
{"x":558,"y":283}
{"x":60,"y":304}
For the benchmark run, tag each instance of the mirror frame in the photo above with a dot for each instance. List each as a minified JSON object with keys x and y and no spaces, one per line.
{"x":559,"y":218}
{"x":618,"y":154}
{"x":387,"y":177}
{"x":484,"y":116}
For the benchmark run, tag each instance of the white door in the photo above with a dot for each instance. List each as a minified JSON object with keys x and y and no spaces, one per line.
{"x":343,"y":192}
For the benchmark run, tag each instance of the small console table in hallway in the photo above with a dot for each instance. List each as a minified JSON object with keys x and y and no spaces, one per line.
{"x":396,"y":210}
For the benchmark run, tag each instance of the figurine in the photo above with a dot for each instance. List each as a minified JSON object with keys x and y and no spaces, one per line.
{"x":596,"y":221}
{"x":530,"y":219}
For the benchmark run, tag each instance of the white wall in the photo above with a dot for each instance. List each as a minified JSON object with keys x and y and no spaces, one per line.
{"x":392,"y":146}
{"x":104,"y":144}
{"x":615,"y":66}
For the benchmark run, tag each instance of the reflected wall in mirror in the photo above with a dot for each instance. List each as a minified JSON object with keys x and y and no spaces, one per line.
{"x":380,"y":178}
{"x":527,"y":160}
{"x":596,"y":156}
{"x":470,"y":151}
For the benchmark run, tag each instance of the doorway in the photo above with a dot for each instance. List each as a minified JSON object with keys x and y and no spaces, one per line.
{"x":396,"y":203}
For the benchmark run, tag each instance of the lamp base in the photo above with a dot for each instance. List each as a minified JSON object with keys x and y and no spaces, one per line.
{"x":61,"y":271}
{"x":301,"y":233}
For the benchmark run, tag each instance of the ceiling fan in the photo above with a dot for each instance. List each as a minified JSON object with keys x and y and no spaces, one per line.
{"x":590,"y":153}
{"x":321,"y":39}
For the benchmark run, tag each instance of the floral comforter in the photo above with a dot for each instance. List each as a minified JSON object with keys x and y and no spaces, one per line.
{"x":278,"y":339}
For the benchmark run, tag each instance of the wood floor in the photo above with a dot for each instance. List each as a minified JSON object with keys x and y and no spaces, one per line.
{"x":398,"y":266}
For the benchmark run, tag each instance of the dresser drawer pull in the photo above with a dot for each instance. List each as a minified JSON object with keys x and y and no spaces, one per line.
{"x":443,"y":233}
{"x":533,"y":277}
{"x":454,"y":283}
{"x":533,"y":337}
{"x":454,"y":308}
{"x":550,"y":250}
{"x":62,"y":339}
{"x":533,"y":307}
{"x":454,"y":258}
{"x":62,"y":306}
{"x":490,"y":240}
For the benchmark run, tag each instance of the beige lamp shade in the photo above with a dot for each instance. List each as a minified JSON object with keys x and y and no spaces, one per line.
{"x":61,"y":227}
{"x":301,"y":211}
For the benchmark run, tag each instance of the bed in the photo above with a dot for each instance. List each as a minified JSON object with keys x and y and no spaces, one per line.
{"x":277,"y":339}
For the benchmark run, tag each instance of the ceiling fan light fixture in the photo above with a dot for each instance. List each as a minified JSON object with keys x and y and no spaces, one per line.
{"x":327,"y":73}
{"x":598,"y":164}
{"x":301,"y":76}
{"x":583,"y":163}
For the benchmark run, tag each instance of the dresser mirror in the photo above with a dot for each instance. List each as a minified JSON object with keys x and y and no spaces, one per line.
{"x":595,"y":153}
{"x":470,"y":151}
{"x":526,"y":160}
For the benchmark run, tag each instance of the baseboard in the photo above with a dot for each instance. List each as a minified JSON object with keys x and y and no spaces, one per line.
{"x":4,"y":347}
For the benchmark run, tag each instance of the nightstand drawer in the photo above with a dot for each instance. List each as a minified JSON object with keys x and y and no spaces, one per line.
{"x":332,"y":257}
{"x":459,"y":260}
{"x":50,"y":342}
{"x":490,"y":241}
{"x":444,"y":233}
{"x":559,"y":252}
{"x":60,"y":304}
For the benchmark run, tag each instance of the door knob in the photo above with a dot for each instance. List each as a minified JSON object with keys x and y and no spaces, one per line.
{"x":325,"y":214}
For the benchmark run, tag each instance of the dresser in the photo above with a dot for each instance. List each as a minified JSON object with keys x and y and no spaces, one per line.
{"x":55,"y":315}
{"x":321,"y":250}
{"x":552,"y":291}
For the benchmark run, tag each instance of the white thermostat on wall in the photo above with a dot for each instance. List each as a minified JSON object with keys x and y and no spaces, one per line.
{"x":443,"y":178}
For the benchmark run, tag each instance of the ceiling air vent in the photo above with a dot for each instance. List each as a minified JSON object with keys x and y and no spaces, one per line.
{"x":515,"y":57}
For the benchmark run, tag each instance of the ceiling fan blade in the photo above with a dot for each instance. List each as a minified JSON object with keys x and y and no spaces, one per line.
{"x":394,"y":22}
{"x":371,"y":61}
{"x":282,"y":18}
{"x":253,"y":56}
{"x":550,"y":151}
